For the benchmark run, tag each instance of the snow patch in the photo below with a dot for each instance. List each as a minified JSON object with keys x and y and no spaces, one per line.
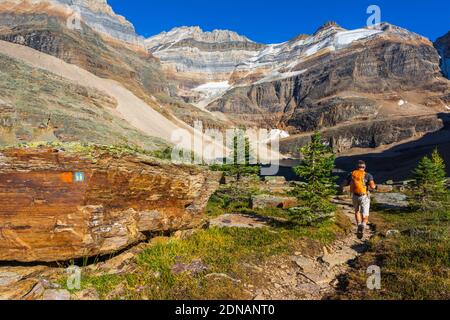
{"x":276,"y":134}
{"x":344,"y":38}
{"x":340,"y":40}
{"x":212,"y":90}
{"x":276,"y":75}
{"x":401,"y":103}
{"x":317,"y":47}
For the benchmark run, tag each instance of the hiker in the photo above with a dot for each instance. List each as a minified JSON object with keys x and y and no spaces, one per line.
{"x":361,"y":183}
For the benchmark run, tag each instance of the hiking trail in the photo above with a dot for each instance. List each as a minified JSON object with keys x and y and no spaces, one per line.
{"x":300,"y":277}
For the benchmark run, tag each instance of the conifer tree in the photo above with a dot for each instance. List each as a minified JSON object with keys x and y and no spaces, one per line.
{"x":317,"y":184}
{"x":239,"y":167}
{"x":430,"y":180}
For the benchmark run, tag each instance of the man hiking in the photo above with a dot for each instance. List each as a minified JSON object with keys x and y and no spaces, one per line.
{"x":361,"y":182}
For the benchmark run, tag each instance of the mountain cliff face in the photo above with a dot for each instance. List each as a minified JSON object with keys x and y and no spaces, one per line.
{"x":97,"y":14}
{"x":443,"y":47}
{"x":308,"y":83}
{"x":332,"y":78}
{"x":43,"y":26}
{"x":190,"y":54}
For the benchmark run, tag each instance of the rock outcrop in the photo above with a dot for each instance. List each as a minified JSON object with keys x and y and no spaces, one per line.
{"x":336,"y":76}
{"x":192,"y":57}
{"x":97,"y":14}
{"x":443,"y":46}
{"x":369,"y":134}
{"x":361,"y":79}
{"x":56,"y":205}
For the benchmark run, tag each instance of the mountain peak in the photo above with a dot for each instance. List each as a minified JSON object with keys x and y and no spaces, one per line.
{"x":97,"y":14}
{"x":329,"y":25}
{"x":196,"y":33}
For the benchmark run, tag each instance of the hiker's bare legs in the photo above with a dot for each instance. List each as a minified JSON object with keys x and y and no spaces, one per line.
{"x":366,"y":221}
{"x":358,"y":217}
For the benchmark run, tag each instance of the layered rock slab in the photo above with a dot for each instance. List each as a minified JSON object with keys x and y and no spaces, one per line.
{"x":57,"y":206}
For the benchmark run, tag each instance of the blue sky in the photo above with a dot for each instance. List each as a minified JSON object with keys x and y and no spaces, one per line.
{"x":272,"y":21}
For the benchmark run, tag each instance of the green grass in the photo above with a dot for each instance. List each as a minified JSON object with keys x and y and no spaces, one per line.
{"x":415,"y":264}
{"x":223,"y":251}
{"x":90,"y":149}
{"x":227,"y":251}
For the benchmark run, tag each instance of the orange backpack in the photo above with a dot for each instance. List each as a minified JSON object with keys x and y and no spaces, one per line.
{"x":358,"y":185}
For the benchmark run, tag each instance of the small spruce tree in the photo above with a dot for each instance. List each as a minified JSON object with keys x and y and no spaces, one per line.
{"x":317,"y":184}
{"x":237,"y":169}
{"x":430,"y":178}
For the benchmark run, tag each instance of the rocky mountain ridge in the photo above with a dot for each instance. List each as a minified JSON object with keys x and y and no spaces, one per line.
{"x":331,"y":79}
{"x":368,"y":77}
{"x":195,"y":33}
{"x":193,"y":57}
{"x":97,"y":14}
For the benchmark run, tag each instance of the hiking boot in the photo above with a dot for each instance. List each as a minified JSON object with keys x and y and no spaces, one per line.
{"x":360,"y":233}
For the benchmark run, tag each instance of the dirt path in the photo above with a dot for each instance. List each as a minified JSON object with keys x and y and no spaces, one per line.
{"x":300,"y":277}
{"x":295,"y":277}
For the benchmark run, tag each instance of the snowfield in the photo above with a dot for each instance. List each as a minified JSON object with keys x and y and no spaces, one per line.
{"x":213,"y":89}
{"x":344,"y":38}
{"x":276,"y":75}
{"x":277,"y":134}
{"x":275,"y":56}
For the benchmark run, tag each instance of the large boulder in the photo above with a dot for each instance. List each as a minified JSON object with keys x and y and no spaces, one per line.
{"x":267,"y":201}
{"x":391,"y":200}
{"x":57,"y":206}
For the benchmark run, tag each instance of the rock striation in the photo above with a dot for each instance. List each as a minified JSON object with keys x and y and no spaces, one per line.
{"x":201,"y":56}
{"x":97,"y":14}
{"x":57,"y":206}
{"x":443,"y":46}
{"x":360,"y":79}
{"x":336,"y":76}
{"x":369,"y":134}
